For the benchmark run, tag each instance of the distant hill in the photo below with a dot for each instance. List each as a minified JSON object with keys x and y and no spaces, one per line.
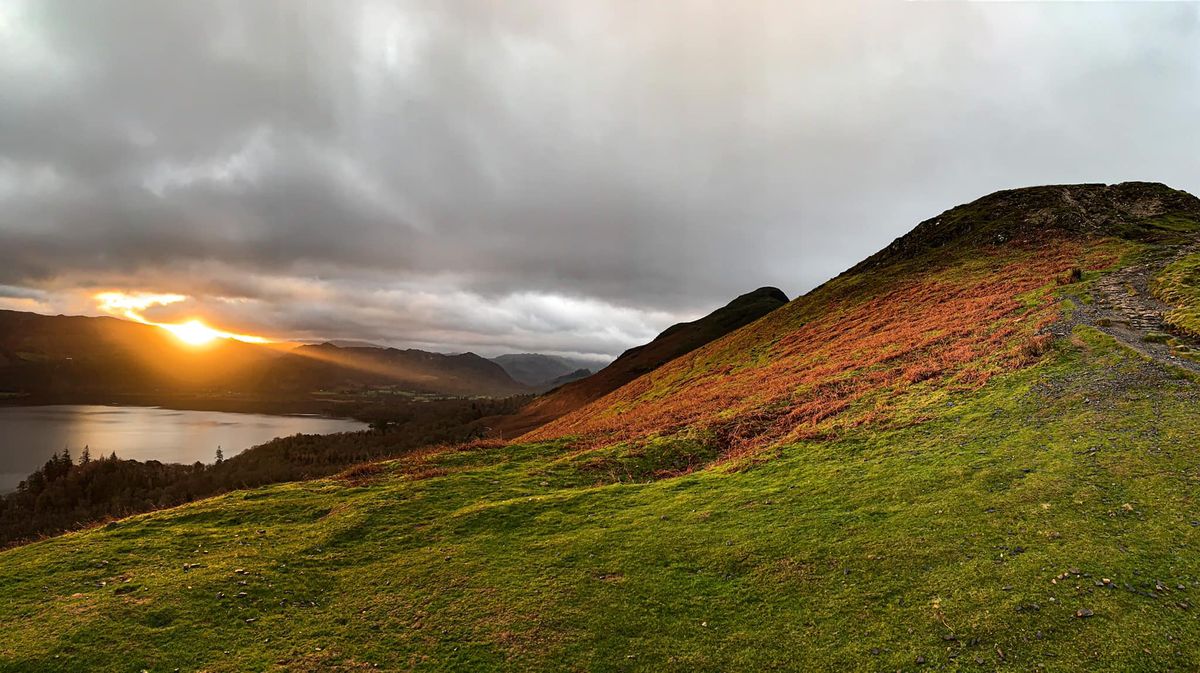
{"x":83,"y":358}
{"x":543,"y":371}
{"x":576,"y":375}
{"x":326,"y":366}
{"x":346,"y":343}
{"x":675,"y":341}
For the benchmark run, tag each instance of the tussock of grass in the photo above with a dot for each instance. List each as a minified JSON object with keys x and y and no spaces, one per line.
{"x":647,"y":460}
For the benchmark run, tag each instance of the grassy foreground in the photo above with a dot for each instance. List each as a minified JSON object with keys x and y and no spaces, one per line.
{"x":1046,"y":520}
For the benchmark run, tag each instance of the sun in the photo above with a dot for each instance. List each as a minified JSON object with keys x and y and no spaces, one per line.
{"x":196,"y":333}
{"x":193,"y":333}
{"x":131,"y":305}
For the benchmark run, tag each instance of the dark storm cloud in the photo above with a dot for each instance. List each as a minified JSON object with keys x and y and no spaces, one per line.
{"x":543,"y":175}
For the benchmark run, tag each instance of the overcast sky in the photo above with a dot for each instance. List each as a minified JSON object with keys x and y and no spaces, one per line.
{"x":542,"y":176}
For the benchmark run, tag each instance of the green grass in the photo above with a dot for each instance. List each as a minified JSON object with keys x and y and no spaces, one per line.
{"x":1179,"y":286}
{"x":1174,"y":224}
{"x":935,"y":541}
{"x":1170,"y":229}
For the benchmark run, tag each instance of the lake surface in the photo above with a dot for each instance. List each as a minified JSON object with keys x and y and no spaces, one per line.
{"x":30,"y":435}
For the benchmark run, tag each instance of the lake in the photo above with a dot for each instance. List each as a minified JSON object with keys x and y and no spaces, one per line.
{"x":30,"y":435}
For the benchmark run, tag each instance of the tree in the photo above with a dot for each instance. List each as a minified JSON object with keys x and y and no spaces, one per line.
{"x":86,"y":456}
{"x":220,"y":456}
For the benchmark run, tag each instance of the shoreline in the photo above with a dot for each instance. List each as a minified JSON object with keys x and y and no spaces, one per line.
{"x":303,"y":407}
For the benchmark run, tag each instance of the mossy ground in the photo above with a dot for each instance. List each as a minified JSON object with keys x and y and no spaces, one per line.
{"x":946,"y":540}
{"x":1179,"y":286}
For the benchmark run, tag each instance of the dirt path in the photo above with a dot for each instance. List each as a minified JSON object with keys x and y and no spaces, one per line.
{"x":1125,"y":309}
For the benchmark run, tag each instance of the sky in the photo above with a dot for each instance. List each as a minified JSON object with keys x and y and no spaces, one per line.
{"x":562,"y":177}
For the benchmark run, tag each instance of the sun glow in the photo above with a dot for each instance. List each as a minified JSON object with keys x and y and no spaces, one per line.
{"x":192,"y":332}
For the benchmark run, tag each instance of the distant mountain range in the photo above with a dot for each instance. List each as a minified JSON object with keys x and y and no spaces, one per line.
{"x":82,"y":358}
{"x":544,"y":372}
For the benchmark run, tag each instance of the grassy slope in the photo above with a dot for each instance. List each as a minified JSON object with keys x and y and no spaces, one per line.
{"x":842,"y":355}
{"x":1179,"y":286}
{"x":865,"y":552}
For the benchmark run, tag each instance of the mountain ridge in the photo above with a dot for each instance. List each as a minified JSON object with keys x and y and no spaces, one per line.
{"x":1126,"y":209}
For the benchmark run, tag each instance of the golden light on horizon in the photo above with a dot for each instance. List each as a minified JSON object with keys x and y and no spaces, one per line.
{"x":193,"y":332}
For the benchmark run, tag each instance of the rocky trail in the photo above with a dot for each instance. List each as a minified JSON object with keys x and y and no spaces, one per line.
{"x":1126,"y":309}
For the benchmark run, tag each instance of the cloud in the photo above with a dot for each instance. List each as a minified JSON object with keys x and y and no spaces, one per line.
{"x":543,"y":175}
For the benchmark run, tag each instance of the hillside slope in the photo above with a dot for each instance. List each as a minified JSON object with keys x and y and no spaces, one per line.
{"x":673,"y":342}
{"x":971,"y":456}
{"x":922,"y":311}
